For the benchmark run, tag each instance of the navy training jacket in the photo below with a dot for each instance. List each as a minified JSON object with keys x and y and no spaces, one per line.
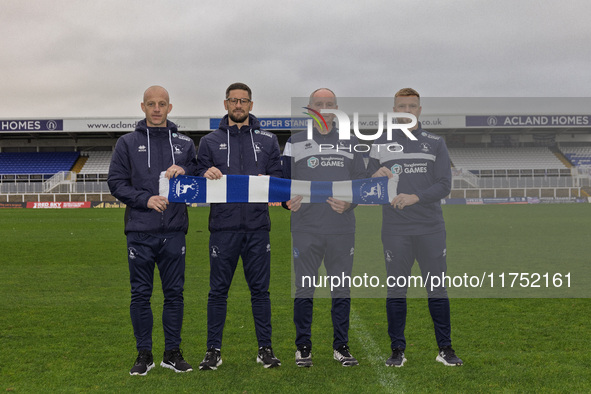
{"x":245,"y":151}
{"x":424,"y":169}
{"x":137,"y":162}
{"x":324,"y":158}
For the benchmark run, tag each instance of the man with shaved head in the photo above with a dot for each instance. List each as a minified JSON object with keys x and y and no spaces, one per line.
{"x":154,"y":227}
{"x":322,"y":231}
{"x":156,"y":118}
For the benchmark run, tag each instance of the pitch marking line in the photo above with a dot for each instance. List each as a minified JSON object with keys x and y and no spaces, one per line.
{"x":387,"y":376}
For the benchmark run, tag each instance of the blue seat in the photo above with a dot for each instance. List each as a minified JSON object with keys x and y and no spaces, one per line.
{"x":36,"y":162}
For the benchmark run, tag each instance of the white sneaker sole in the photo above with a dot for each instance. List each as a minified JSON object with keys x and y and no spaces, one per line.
{"x":206,"y":368}
{"x":344,"y":361}
{"x":150,"y":366}
{"x":442,"y":360}
{"x":348,"y":363}
{"x":397,"y":366}
{"x":165,"y":365}
{"x":260,"y":361}
{"x":303,"y":362}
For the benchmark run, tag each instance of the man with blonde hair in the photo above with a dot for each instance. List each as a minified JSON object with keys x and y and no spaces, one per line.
{"x":413,"y":226}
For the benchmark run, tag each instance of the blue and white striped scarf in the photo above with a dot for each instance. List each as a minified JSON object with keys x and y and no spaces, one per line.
{"x":250,"y":188}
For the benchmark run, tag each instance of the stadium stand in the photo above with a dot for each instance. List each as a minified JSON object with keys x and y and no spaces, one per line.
{"x":578,"y":155}
{"x":36,"y":162}
{"x":79,"y":164}
{"x":472,"y":159}
{"x":98,"y":162}
{"x":490,"y":161}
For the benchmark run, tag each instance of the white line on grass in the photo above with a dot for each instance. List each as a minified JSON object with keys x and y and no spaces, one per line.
{"x":387,"y":376}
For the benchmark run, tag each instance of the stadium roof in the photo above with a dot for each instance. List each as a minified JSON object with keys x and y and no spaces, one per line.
{"x":447,"y":115}
{"x":441,"y":124}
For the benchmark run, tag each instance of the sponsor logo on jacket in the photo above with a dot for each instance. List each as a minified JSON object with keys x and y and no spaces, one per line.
{"x":433,"y":137}
{"x":265,"y":133}
{"x":181,"y":137}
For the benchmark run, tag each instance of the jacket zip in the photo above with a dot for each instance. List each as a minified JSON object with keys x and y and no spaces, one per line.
{"x":242,"y":213}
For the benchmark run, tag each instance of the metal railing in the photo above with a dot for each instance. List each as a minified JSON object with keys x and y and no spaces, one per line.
{"x":521,"y":183}
{"x":96,"y":183}
{"x":466,"y":176}
{"x":62,"y":179}
{"x":35,"y":186}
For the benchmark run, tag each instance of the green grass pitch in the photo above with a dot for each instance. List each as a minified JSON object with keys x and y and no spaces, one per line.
{"x":65,"y":327}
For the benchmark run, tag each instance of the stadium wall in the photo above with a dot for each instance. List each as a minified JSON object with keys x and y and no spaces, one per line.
{"x":556,"y":193}
{"x":57,"y":197}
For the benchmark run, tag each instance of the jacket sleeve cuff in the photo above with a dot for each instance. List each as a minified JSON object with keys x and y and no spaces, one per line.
{"x":351,"y":207}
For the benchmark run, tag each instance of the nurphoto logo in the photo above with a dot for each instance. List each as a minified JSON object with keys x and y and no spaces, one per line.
{"x":344,"y":127}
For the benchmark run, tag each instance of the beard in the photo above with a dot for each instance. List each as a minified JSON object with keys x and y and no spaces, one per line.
{"x":239,"y":117}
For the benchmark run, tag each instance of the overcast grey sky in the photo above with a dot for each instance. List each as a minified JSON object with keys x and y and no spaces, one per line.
{"x":82,"y":58}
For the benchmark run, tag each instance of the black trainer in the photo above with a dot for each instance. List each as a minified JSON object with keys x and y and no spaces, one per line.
{"x":212,"y":360}
{"x":397,"y":358}
{"x":143,"y":363}
{"x":267,"y":358}
{"x":343,"y":355}
{"x":173,"y":359}
{"x":448,"y":357}
{"x":303,"y":356}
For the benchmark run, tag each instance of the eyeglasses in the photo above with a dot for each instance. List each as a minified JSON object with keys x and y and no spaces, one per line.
{"x":235,"y":101}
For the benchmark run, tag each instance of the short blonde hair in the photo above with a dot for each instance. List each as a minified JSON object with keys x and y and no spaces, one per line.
{"x":407,"y":92}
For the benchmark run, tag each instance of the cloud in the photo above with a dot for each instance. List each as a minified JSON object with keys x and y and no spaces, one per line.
{"x":64,"y":58}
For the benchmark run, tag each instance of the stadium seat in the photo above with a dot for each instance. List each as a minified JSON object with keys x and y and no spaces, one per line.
{"x":36,"y":162}
{"x":504,"y":158}
{"x":578,"y":155}
{"x":98,"y":162}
